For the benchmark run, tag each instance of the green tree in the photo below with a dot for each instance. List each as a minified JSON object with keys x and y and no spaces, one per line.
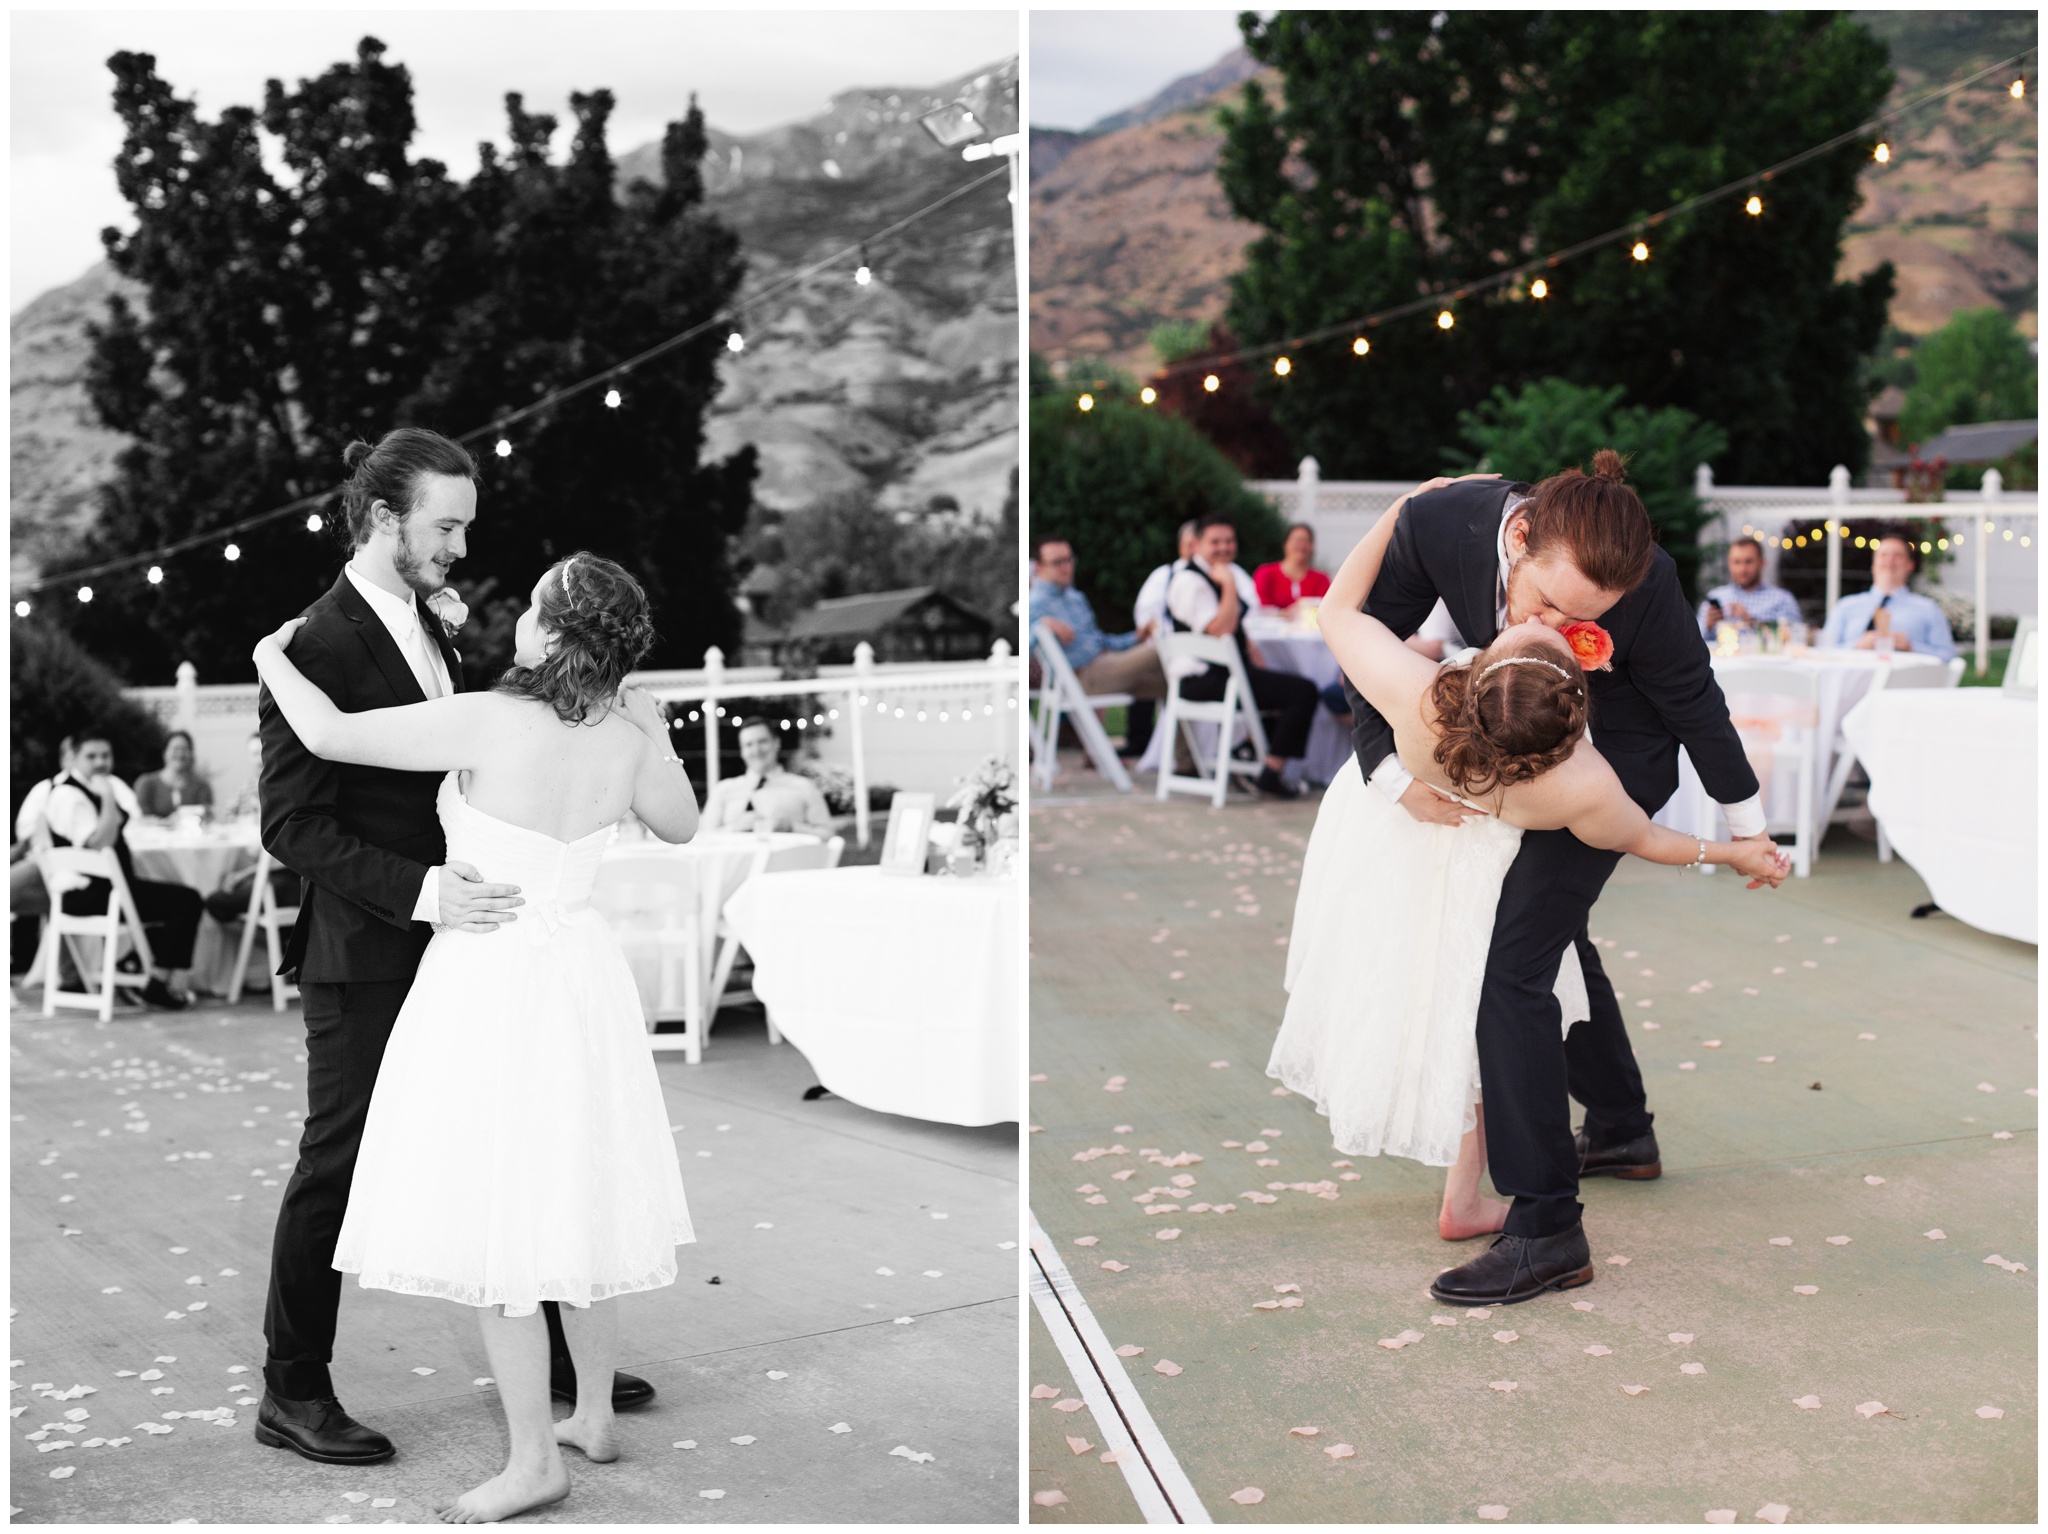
{"x":358,"y":289}
{"x":1414,"y":151}
{"x":1977,"y":367}
{"x":1118,"y":480}
{"x":1552,"y":425}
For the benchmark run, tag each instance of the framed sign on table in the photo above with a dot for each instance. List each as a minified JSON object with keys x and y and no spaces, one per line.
{"x":910,"y":826}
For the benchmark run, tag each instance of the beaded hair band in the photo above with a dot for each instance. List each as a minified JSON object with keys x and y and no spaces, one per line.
{"x":567,"y":591}
{"x":1526,"y":660}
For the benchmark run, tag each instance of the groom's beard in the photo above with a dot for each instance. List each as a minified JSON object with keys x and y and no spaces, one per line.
{"x":420,"y":574}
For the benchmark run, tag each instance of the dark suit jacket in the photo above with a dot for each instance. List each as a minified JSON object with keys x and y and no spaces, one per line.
{"x":362,"y":838}
{"x":1660,"y":694}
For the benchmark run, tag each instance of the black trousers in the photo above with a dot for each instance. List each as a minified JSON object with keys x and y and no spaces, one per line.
{"x":170,"y":915}
{"x":1287,"y":701}
{"x":1527,"y":1073}
{"x":347,"y":1027}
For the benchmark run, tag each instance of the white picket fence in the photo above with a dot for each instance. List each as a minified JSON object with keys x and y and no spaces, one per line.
{"x":2006,"y":528}
{"x":912,"y":725}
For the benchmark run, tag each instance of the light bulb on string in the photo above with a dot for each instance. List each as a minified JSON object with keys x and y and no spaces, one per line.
{"x":85,"y":592}
{"x":1212,"y":383}
{"x":1147,"y":395}
{"x":613,"y":399}
{"x":1640,"y":251}
{"x":1360,"y":347}
{"x":1282,"y":367}
{"x":231,"y":553}
{"x":504,"y":447}
{"x":735,"y":342}
{"x":1086,"y":403}
{"x":21,"y":609}
{"x":1539,"y":288}
{"x":863,"y":276}
{"x":1882,"y":154}
{"x":156,"y":575}
{"x":1754,"y":206}
{"x":1445,"y":320}
{"x":314,"y":522}
{"x":2019,"y":89}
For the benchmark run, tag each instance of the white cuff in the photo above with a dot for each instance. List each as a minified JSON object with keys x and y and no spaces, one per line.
{"x":1391,"y":778}
{"x":1745,"y":818}
{"x":428,"y":907}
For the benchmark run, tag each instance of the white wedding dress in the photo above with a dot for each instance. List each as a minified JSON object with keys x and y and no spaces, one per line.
{"x":1392,"y":925}
{"x":517,"y":1147}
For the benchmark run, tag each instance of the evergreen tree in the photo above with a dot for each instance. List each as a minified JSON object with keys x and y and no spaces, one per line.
{"x":1413,"y":151}
{"x":360,"y":289}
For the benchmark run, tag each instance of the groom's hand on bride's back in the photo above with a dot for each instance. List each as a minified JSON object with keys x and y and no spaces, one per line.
{"x":471,"y":905}
{"x":1432,"y":808}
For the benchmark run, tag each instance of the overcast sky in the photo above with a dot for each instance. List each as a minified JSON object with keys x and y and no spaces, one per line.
{"x":1088,"y":64}
{"x":750,"y":71}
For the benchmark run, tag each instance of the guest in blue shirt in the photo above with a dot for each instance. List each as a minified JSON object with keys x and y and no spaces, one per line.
{"x":1913,"y":622}
{"x":1102,"y":662}
{"x":1746,"y":600}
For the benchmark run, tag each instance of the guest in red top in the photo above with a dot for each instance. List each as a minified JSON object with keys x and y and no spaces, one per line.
{"x":1286,"y":583}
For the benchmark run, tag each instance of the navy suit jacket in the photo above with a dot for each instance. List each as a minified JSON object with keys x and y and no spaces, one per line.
{"x":361,"y":838}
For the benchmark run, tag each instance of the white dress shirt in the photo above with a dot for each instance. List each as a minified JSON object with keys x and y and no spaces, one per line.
{"x":71,"y":815}
{"x":790,"y":800}
{"x":29,"y":818}
{"x":1151,"y":604}
{"x":1745,"y":818}
{"x":400,"y":615}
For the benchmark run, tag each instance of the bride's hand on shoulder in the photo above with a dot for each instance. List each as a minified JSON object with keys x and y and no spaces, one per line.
{"x":282,"y":637}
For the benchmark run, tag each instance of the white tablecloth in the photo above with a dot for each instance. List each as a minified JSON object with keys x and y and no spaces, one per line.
{"x":1305,"y":654}
{"x":1953,"y":781}
{"x":205,"y":860}
{"x":1844,"y":677}
{"x":902,"y":991}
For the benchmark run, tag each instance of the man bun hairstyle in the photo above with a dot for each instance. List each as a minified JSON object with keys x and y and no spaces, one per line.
{"x":598,"y":617}
{"x":391,"y":472}
{"x":1594,"y":520}
{"x":1499,"y":725}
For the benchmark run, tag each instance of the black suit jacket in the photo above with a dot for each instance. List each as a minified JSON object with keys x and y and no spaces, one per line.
{"x":1660,"y":694}
{"x":362,"y":838}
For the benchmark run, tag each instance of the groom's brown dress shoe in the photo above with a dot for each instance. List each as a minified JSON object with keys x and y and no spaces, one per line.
{"x":628,"y":1390}
{"x":1517,"y":1268}
{"x":319,"y":1430}
{"x":1635,"y":1159}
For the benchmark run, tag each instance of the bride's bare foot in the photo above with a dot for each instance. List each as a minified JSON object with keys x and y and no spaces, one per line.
{"x":599,"y":1441}
{"x":510,"y":1493}
{"x":1481,"y":1217}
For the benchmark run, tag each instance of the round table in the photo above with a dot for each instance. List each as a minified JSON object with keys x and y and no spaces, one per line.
{"x":901,"y":990}
{"x":204,"y":859}
{"x":1953,"y":782}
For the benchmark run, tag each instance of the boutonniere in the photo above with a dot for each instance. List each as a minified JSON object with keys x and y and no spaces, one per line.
{"x":449,"y":608}
{"x":1591,"y":644}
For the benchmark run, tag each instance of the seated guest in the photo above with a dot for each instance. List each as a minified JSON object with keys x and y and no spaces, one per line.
{"x":1204,"y":598}
{"x":765,"y":795}
{"x":28,"y":900}
{"x":179,"y":783}
{"x":1890,"y":609}
{"x":1150,"y":606}
{"x":1284,"y":584}
{"x":1746,"y":599}
{"x":1102,"y":662}
{"x":90,"y":807}
{"x":247,"y":805}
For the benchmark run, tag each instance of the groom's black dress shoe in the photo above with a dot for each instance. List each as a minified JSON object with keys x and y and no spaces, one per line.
{"x":1635,"y":1159}
{"x":319,"y":1430}
{"x":628,"y":1390}
{"x":1517,"y":1268}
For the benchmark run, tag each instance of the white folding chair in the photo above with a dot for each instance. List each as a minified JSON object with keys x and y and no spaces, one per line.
{"x":1234,"y":711}
{"x":1895,"y":677}
{"x":65,"y":868}
{"x":271,"y":919}
{"x":769,"y":860}
{"x":1061,"y":696}
{"x":652,"y":899}
{"x":1798,"y":738}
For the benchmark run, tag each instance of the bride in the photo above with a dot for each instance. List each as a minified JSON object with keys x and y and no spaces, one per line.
{"x":1394,"y":1065}
{"x":517,"y":1147}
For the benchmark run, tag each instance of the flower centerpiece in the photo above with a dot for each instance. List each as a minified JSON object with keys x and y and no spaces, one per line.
{"x":984,"y":797}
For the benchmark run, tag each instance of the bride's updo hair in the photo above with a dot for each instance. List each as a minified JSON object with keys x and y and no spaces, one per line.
{"x":1499,"y":725}
{"x":597,"y":615}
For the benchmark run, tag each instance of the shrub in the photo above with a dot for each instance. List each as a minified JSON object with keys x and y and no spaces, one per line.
{"x":56,"y":689}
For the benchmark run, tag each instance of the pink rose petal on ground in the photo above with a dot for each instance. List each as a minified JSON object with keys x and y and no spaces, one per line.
{"x":1985,"y":1086}
{"x":1617,"y":1262}
{"x":2001,"y":1134}
{"x":1117,"y":1267}
{"x":1503,"y":1386}
{"x":1219,"y":1065}
{"x":1875,"y":1182}
{"x":1766,"y":1059}
{"x":1506,"y":1336}
{"x":1169,"y":1234}
{"x":1443,"y":1320}
{"x":1692,"y":1368}
{"x":1633,"y":1390}
{"x":1304,"y":1432}
{"x":1281,"y":1092}
{"x":1079,"y":1445}
{"x":1069,"y":1405}
{"x":1340,"y":1451}
{"x":1493,"y":1512}
{"x":1710,"y":1043}
{"x":1598,"y":1351}
{"x":1838,"y":1241}
{"x":1866,"y":1037}
{"x":1167,"y":1367}
{"x":1115,"y":1084}
{"x":1773,"y":1512}
{"x":1048,"y":1498}
{"x":1247,"y":1496}
{"x":1871,"y":1409}
{"x":1095,"y":1198}
{"x":1129,"y":1350}
{"x":1806,"y":1289}
{"x":1937,"y":1234}
{"x":1781,"y":1241}
{"x":1652,"y":1027}
{"x":1086,"y":1240}
{"x":1392,"y":1344}
{"x":1295,"y":1302}
{"x":1044,"y":1392}
{"x":1112,"y":1457}
{"x":1582,"y":1304}
{"x":1807,"y":1403}
{"x":1265,"y":1304}
{"x":1990,"y":1412}
{"x":1287,"y":1288}
{"x":1720,"y":1515}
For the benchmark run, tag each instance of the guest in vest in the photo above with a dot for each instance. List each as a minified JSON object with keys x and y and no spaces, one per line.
{"x":1889,"y":610}
{"x":162,"y":794}
{"x":90,"y":807}
{"x":1204,"y":598}
{"x":765,"y":794}
{"x":28,"y":901}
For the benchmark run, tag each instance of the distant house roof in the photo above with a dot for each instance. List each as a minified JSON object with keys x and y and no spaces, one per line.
{"x":1889,"y":402}
{"x":840,"y":617}
{"x":1985,"y":442}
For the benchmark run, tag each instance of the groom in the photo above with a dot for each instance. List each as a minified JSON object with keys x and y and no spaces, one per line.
{"x":368,"y":844}
{"x":1580,"y":549}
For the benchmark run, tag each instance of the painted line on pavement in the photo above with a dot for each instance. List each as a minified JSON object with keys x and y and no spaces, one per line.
{"x":1161,"y":1488}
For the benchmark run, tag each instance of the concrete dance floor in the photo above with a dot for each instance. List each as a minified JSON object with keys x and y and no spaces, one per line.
{"x":1823,"y":1233}
{"x":149,"y":1155}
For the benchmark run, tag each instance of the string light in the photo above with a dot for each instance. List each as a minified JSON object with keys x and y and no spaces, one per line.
{"x":1086,"y":402}
{"x":1883,"y":153}
{"x":1445,"y":320}
{"x":1282,"y":367}
{"x":1360,"y":347}
{"x":504,"y":447}
{"x":2019,"y":89}
{"x":613,"y":399}
{"x":863,"y":276}
{"x":156,"y":575}
{"x":1147,"y":395}
{"x":314,"y":522}
{"x":1640,"y":251}
{"x":231,"y":553}
{"x":85,"y":592}
{"x":21,"y":609}
{"x":1754,"y":206}
{"x":1212,"y":383}
{"x":735,"y":342}
{"x":1539,"y":289}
